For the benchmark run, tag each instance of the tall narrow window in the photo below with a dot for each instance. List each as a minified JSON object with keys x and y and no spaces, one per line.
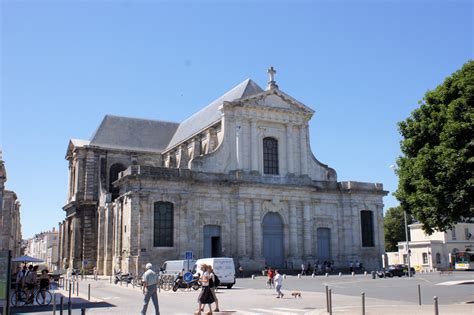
{"x":438,"y":258}
{"x":425,"y":258}
{"x":453,"y":233}
{"x":163,"y":224}
{"x":367,"y":228}
{"x":270,"y":156}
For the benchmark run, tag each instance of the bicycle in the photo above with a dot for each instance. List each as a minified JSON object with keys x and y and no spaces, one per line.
{"x":21,"y":297}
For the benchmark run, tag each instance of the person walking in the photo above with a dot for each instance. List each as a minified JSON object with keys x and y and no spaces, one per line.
{"x":95,"y":273}
{"x":149,"y":280}
{"x":279,"y":283}
{"x":206,"y":296}
{"x":213,"y":286}
{"x":303,"y":269}
{"x":270,"y":275}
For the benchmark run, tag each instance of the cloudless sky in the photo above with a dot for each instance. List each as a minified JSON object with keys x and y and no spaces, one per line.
{"x":361,"y":65}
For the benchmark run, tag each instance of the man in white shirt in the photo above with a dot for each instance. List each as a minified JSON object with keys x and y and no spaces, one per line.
{"x":150,"y":280}
{"x":278,"y":282}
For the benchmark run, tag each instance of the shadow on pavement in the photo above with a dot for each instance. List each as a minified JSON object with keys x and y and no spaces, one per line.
{"x":76,"y":303}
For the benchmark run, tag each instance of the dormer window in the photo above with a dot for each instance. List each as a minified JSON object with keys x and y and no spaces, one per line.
{"x":270,"y":156}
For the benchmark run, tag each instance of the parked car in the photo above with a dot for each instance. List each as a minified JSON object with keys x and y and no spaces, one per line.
{"x":395,"y":271}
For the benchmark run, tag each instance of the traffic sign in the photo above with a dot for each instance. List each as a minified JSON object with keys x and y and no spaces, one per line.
{"x":188,"y":255}
{"x":188,"y":277}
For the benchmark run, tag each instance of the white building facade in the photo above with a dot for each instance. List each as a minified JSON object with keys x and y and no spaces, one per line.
{"x":45,"y":246}
{"x":236,"y":179}
{"x":435,"y":251}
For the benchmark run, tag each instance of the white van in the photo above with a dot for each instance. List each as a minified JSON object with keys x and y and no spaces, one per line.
{"x":223,"y":267}
{"x":173,"y":267}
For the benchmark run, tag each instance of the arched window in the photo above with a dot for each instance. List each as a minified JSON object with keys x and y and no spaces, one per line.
{"x":425,"y":258}
{"x":163,"y":224}
{"x":114,"y":171}
{"x":270,"y":156}
{"x":438,"y":258}
{"x":367,"y":228}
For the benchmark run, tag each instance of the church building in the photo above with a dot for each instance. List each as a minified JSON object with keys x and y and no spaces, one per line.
{"x":236,"y":179}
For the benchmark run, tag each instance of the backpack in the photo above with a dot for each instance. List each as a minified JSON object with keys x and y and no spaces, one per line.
{"x":216,"y":281}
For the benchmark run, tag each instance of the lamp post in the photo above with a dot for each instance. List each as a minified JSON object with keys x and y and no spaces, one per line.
{"x":408,"y":244}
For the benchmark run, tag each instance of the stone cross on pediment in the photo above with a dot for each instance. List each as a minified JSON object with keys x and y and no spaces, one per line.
{"x":271,"y":79}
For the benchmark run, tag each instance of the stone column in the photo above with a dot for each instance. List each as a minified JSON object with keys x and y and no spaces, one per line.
{"x":304,"y":151}
{"x":100,"y":239}
{"x":90,"y":176}
{"x":183,"y":156}
{"x":60,"y":244}
{"x":238,"y":144}
{"x":254,"y":145}
{"x":241,"y":237}
{"x":289,"y":147}
{"x":66,"y":244}
{"x":293,"y":230}
{"x":257,"y":229}
{"x":108,"y":239}
{"x":307,"y":235}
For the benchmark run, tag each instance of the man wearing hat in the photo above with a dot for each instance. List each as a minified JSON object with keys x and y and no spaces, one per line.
{"x":150,"y":280}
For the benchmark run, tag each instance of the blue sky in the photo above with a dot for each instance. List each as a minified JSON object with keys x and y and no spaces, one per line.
{"x":361,"y":65}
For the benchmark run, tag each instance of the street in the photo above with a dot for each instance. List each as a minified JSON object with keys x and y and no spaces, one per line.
{"x":250,"y":296}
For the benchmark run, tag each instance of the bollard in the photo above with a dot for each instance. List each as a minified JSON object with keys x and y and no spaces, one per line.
{"x":327,"y":274}
{"x":83,"y":311}
{"x":110,"y":279}
{"x":61,"y":305}
{"x":365,"y":273}
{"x":313,"y":275}
{"x":327,"y":299}
{"x":436,"y":311}
{"x":69,"y":306}
{"x":253,"y":277}
{"x":340,"y":274}
{"x":419,"y":295}
{"x":73,"y":288}
{"x":284,"y":276}
{"x":120,"y":282}
{"x":77,"y":289}
{"x":363,"y":303}
{"x":89,"y":292}
{"x":54,"y":303}
{"x":330,"y":302}
{"x":353,"y":273}
{"x":373,"y":275}
{"x":299,"y":276}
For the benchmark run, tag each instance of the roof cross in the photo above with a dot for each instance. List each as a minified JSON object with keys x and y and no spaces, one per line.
{"x":271,"y":79}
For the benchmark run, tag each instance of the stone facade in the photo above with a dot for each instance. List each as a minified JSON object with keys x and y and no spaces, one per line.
{"x":10,"y":225}
{"x":44,"y":246}
{"x":215,"y":184}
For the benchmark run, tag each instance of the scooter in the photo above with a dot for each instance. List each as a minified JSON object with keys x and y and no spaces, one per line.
{"x":123,"y":277}
{"x":179,"y":283}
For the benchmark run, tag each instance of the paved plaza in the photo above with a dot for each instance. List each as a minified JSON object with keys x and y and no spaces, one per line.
{"x":250,"y":296}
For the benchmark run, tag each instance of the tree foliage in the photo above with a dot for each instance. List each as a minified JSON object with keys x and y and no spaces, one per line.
{"x":394,"y":228}
{"x":436,"y":168}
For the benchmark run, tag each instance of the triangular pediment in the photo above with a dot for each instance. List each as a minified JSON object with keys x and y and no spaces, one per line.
{"x":274,"y":99}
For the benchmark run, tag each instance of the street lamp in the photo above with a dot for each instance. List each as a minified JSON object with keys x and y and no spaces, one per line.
{"x":394,"y":168}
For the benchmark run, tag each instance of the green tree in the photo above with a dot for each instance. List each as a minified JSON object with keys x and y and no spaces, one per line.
{"x":394,"y":228}
{"x":436,"y":169}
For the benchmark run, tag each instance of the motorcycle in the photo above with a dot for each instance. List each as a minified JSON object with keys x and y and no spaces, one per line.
{"x":179,"y":283}
{"x":123,"y":277}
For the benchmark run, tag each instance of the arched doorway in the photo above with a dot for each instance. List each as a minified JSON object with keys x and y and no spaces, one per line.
{"x":323,"y":236}
{"x":212,"y":241}
{"x":272,"y":228}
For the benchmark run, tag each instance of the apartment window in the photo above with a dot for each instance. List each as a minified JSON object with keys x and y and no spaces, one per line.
{"x":367,"y":228}
{"x":453,"y":233}
{"x":405,"y":259}
{"x":467,"y":235}
{"x":425,"y":258}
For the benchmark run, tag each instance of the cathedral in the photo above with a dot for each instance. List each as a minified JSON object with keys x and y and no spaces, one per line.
{"x":236,"y":179}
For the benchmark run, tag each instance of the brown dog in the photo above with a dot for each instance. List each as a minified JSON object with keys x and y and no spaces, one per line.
{"x":296,"y":294}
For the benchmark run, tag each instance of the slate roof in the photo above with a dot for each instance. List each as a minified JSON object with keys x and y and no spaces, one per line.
{"x":211,"y":114}
{"x":116,"y":132}
{"x":133,"y":133}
